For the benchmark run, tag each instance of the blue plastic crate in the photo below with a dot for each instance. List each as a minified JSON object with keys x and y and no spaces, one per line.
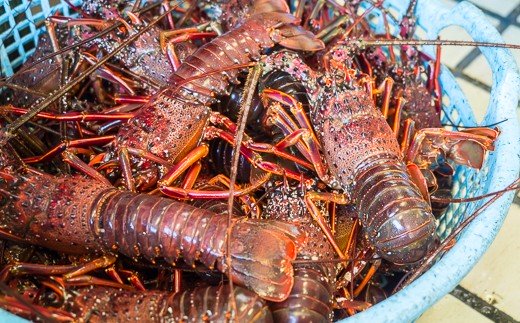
{"x":18,"y":20}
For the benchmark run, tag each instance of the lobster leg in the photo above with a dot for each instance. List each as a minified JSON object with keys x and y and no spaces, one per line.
{"x":184,"y":34}
{"x":51,"y":29}
{"x":367,"y":277}
{"x":310,"y":197}
{"x":419,"y":180}
{"x":17,"y":269}
{"x":386,"y":89}
{"x":126,"y":168}
{"x":70,"y":158}
{"x":463,"y":147}
{"x":220,"y":119}
{"x":288,"y":126}
{"x":68,"y":271}
{"x":248,"y":202}
{"x":108,"y":74}
{"x":70,"y":116}
{"x":46,"y":314}
{"x":434,"y":84}
{"x":77,"y":143}
{"x":191,"y":175}
{"x":87,"y":280}
{"x":181,"y":193}
{"x":254,"y":158}
{"x":92,"y":22}
{"x":309,"y":138}
{"x":397,"y":116}
{"x":191,"y":158}
{"x":168,"y":44}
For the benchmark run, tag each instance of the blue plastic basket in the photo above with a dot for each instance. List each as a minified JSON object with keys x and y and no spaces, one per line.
{"x":18,"y":36}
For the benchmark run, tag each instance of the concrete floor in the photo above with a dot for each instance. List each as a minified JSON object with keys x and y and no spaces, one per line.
{"x":491,"y":291}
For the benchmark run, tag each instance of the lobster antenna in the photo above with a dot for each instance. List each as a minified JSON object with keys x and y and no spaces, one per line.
{"x":9,"y":131}
{"x":360,"y":18}
{"x":334,"y":261}
{"x":247,"y":99}
{"x":417,"y":42}
{"x":471,"y":127}
{"x":329,"y":31}
{"x":407,"y":279}
{"x":472,"y":199}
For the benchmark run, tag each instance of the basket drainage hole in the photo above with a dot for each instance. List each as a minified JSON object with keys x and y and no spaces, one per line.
{"x":15,"y":3}
{"x":4,"y":27}
{"x":54,"y":3}
{"x":13,"y":55}
{"x":9,"y":41}
{"x":36,"y":9}
{"x":21,"y":17}
{"x":28,"y":45}
{"x":25,"y":31}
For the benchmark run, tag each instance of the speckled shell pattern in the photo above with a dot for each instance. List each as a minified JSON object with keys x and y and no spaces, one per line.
{"x":364,"y":159}
{"x":208,"y":304}
{"x":172,"y":123}
{"x":79,"y":215}
{"x":362,"y":153}
{"x":54,"y":212}
{"x":310,"y":299}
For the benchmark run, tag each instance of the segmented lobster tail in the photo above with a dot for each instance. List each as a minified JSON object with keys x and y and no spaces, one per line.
{"x":153,"y":227}
{"x":310,"y":299}
{"x":396,"y":219}
{"x":208,"y":304}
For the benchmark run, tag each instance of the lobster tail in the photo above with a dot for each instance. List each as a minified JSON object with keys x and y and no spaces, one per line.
{"x":395,"y":217}
{"x":200,"y":304}
{"x":152,"y":227}
{"x":310,"y":298}
{"x":261,"y":253}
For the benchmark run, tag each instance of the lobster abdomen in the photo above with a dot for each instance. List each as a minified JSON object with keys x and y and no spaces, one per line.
{"x":102,"y":304}
{"x":396,"y":218}
{"x":310,"y":299}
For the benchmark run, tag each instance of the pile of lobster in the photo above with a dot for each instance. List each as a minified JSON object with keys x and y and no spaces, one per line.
{"x":229,"y":160}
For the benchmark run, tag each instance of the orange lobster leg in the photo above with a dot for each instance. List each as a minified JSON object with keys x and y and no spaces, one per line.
{"x":70,"y":116}
{"x":310,"y":197}
{"x":182,"y":193}
{"x":217,"y":118}
{"x":463,"y":147}
{"x":308,"y":138}
{"x":367,"y":277}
